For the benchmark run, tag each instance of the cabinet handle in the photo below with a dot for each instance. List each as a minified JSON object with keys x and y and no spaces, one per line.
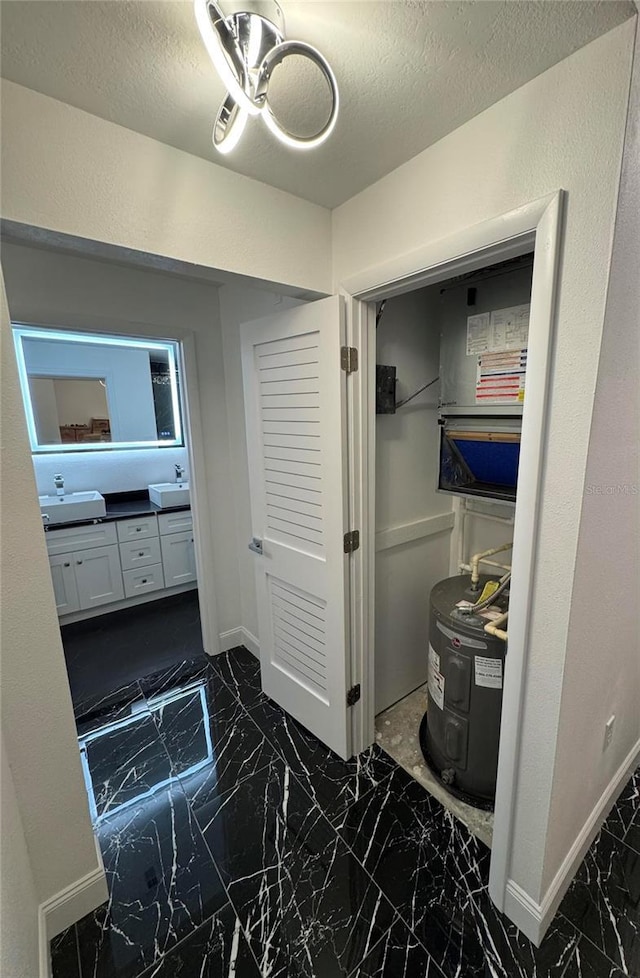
{"x":78,"y":561}
{"x":68,"y":564}
{"x":138,"y":529}
{"x":144,"y":580}
{"x":141,"y":553}
{"x":191,"y":539}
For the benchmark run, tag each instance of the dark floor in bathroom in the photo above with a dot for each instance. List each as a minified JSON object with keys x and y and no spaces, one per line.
{"x":235,"y":844}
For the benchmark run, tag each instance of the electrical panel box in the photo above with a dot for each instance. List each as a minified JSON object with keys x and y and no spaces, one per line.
{"x":385,"y":389}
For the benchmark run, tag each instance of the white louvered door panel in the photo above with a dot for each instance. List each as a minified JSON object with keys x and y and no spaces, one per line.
{"x":296,"y":436}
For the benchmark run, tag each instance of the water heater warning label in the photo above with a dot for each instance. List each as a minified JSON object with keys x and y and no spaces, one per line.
{"x":488,"y":672}
{"x":435,"y":679}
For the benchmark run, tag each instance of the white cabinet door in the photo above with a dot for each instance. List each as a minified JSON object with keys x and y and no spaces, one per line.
{"x":98,"y":576}
{"x":295,"y":393}
{"x":178,"y":558}
{"x":64,"y":583}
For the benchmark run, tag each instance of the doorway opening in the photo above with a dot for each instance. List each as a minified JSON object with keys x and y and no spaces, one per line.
{"x":111,"y":447}
{"x":450,"y":390}
{"x":533,"y":228}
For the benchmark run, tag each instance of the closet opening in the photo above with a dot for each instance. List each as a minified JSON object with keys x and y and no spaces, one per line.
{"x":451,"y":384}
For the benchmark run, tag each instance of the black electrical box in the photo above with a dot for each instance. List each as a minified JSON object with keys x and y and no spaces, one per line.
{"x":385,"y":389}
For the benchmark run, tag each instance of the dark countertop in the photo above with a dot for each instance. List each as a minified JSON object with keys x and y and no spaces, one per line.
{"x":122,"y":506}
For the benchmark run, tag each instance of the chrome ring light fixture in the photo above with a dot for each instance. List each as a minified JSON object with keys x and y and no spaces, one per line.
{"x":245,"y":49}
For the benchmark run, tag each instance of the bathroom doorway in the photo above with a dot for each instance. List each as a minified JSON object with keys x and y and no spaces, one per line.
{"x":127,"y":576}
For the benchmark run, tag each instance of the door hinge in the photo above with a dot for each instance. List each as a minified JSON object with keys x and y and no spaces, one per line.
{"x":349,"y":359}
{"x":351,"y":541}
{"x":353,"y":695}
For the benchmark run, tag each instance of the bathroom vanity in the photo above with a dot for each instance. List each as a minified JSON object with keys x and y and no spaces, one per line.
{"x":134,"y":553}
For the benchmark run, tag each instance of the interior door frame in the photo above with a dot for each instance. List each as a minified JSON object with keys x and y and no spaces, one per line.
{"x":534,"y":226}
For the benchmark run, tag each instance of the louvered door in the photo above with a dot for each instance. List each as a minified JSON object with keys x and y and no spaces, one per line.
{"x":296,"y":438}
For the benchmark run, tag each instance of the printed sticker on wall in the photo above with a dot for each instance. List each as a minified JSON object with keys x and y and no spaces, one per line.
{"x":435,"y":679}
{"x":510,"y":328}
{"x":478,"y":334}
{"x":500,"y":331}
{"x":488,"y":672}
{"x":500,"y":377}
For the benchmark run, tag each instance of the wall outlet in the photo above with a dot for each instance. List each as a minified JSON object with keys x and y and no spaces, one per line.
{"x":608,"y":731}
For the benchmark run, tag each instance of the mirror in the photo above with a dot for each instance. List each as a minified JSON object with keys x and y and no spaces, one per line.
{"x":88,"y":392}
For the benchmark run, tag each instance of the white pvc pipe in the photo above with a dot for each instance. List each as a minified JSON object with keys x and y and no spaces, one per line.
{"x":492,"y":627}
{"x":490,"y":563}
{"x":475,"y":560}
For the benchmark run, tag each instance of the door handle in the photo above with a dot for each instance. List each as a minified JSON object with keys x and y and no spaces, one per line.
{"x":256,"y":546}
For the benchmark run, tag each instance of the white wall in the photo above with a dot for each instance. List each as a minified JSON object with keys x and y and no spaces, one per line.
{"x":408,"y":337}
{"x":50,"y":288}
{"x":37,"y":717}
{"x":602,"y":664}
{"x":68,"y":171}
{"x":237,"y":306}
{"x":562,"y":130}
{"x":18,"y":897}
{"x":111,"y":471}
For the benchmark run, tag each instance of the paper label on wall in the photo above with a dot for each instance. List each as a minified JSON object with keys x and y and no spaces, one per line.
{"x":478,"y":334}
{"x":500,"y":377}
{"x":509,"y":328}
{"x":500,"y":331}
{"x":488,"y":672}
{"x":435,"y":679}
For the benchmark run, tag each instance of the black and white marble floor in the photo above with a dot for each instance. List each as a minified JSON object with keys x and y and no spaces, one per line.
{"x":235,"y":844}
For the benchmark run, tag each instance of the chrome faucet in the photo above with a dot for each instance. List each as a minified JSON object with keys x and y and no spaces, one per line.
{"x":58,"y":482}
{"x":179,"y":472}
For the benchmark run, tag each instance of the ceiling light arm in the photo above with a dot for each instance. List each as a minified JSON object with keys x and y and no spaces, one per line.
{"x":229,"y":125}
{"x":271,"y":61}
{"x":225,"y":52}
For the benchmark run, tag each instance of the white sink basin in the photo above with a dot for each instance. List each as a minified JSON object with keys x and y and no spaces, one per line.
{"x":165,"y":494}
{"x":72,"y":506}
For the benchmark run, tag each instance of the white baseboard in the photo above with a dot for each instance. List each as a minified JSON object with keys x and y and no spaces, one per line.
{"x":69,"y":905}
{"x":524,"y":912}
{"x":533,"y":918}
{"x":239,"y":636}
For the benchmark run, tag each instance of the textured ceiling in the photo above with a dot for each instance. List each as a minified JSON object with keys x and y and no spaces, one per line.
{"x":409,"y":72}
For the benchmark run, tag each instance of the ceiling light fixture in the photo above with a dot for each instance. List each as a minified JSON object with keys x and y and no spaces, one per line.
{"x":245,"y":49}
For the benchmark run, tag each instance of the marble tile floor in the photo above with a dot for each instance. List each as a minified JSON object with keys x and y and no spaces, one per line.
{"x":258,"y":853}
{"x":397,"y":733}
{"x":132,"y":642}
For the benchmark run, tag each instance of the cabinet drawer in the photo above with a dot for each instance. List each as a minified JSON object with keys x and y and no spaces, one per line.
{"x":70,"y":538}
{"x":143,"y":580}
{"x":137,"y":529}
{"x":140,"y":553}
{"x":175,"y":522}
